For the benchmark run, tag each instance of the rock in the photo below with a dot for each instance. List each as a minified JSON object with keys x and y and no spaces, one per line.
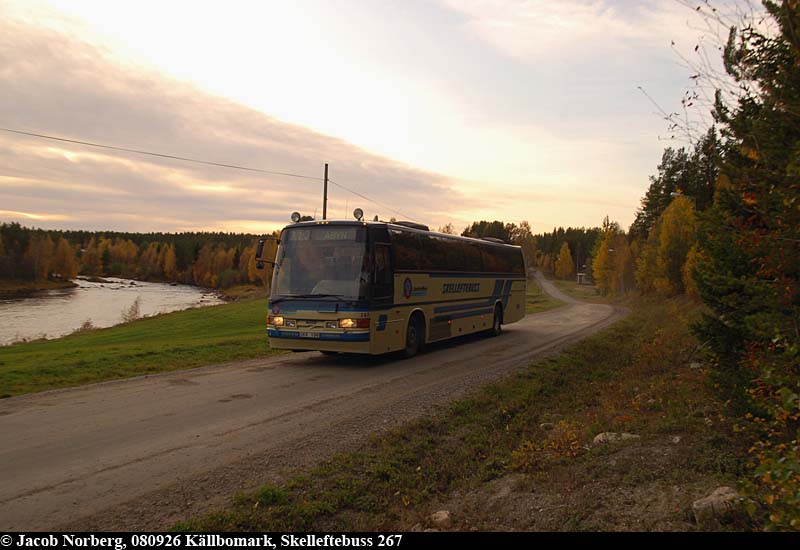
{"x":546,"y":426}
{"x":721,"y":503}
{"x":608,"y":437}
{"x":676,"y":439}
{"x":441,"y":519}
{"x":695,"y":366}
{"x":416,"y":528}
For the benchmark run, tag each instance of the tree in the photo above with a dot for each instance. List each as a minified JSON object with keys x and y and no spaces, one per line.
{"x":39,"y":256}
{"x":660,"y":266}
{"x":522,"y":236}
{"x":692,"y":174}
{"x":169,"y":263}
{"x":495,"y":229}
{"x":65,"y":265}
{"x":91,"y":261}
{"x":749,"y":270}
{"x":564,"y":264}
{"x":448,"y":229}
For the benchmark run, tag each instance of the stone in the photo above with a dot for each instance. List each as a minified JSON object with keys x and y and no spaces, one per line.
{"x":676,"y":439}
{"x":441,"y":519}
{"x":546,"y":426}
{"x":609,"y":437}
{"x":721,"y":503}
{"x":416,"y":528}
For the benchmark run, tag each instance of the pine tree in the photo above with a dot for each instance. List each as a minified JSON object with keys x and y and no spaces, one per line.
{"x":749,"y":271}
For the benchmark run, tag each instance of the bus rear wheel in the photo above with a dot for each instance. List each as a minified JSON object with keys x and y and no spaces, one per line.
{"x":415,"y":334}
{"x":497,"y":321}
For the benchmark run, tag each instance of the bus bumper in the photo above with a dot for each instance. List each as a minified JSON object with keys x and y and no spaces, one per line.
{"x":354,"y":342}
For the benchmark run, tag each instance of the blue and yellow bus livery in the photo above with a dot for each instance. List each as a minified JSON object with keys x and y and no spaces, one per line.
{"x":377,"y":287}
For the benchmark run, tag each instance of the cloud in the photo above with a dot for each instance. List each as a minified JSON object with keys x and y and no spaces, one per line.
{"x":535,"y":30}
{"x":52,"y":83}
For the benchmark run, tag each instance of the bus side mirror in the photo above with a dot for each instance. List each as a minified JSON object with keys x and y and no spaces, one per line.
{"x":260,"y":251}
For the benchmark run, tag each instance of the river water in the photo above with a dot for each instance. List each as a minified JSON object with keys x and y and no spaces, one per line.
{"x":60,"y":312}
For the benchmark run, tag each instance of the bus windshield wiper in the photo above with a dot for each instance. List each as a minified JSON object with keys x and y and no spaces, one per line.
{"x":282,"y":298}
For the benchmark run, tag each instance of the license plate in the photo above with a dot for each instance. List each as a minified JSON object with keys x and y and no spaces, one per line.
{"x":309,"y":334}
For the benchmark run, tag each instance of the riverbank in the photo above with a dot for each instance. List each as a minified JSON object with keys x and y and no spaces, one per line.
{"x":12,"y":288}
{"x":172,"y":341}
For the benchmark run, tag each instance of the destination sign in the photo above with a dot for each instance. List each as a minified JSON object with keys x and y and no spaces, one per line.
{"x":322,"y":234}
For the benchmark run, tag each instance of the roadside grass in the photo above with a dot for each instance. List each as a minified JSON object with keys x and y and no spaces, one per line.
{"x":537,"y":301}
{"x":586,"y":293}
{"x":518,"y":454}
{"x":173,"y":341}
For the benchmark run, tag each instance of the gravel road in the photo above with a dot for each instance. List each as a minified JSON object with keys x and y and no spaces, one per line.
{"x":142,"y":453}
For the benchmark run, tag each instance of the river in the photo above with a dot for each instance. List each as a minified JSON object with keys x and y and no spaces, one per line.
{"x":56,"y":313}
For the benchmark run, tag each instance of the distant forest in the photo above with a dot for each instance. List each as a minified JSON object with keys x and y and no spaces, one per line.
{"x":222,"y":260}
{"x":213,"y":260}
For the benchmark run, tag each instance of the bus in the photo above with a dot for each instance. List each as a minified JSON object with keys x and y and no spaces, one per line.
{"x":379,"y":287}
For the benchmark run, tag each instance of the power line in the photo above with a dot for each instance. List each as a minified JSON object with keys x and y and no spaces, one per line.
{"x":370,"y":200}
{"x":161,"y":155}
{"x":198,"y":161}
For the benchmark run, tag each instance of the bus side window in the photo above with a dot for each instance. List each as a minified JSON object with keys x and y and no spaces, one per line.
{"x":383,"y":275}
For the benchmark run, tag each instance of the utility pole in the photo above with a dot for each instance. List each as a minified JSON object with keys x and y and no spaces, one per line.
{"x":325,"y":195}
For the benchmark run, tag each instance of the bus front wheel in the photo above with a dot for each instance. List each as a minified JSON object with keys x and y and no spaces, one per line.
{"x":415,"y":333}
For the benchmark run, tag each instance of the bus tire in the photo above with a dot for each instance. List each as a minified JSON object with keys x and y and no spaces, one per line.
{"x":415,"y":336}
{"x":497,"y":321}
{"x":325,"y":352}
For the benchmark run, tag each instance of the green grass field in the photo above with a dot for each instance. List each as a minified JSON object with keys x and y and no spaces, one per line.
{"x":174,"y":341}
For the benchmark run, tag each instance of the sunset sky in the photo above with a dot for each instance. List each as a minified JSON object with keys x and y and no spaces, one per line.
{"x":439,"y":110}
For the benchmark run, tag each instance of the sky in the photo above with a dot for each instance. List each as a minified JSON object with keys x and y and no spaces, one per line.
{"x":439,"y":111}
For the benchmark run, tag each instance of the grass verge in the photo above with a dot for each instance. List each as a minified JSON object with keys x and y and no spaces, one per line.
{"x":586,"y":293}
{"x":537,"y":301}
{"x":518,"y":455}
{"x":173,"y":341}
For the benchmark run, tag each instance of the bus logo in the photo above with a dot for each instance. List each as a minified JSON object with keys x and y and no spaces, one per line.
{"x":407,"y":288}
{"x":276,"y":309}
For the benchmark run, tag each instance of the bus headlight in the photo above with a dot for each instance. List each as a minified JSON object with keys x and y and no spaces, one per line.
{"x":277,"y":321}
{"x":353,"y":323}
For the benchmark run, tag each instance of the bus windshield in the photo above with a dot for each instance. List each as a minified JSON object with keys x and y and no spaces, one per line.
{"x":322,"y":261}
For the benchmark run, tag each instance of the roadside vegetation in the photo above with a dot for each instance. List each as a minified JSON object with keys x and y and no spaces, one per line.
{"x":519,"y":454}
{"x":537,"y":301}
{"x":173,"y":341}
